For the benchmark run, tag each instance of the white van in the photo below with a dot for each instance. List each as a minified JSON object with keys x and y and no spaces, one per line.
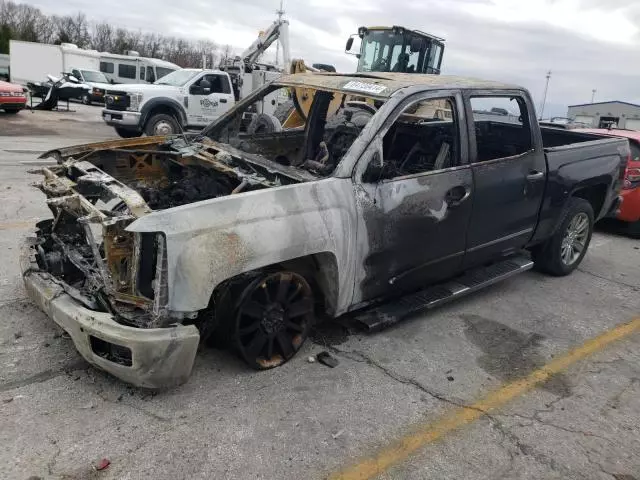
{"x":96,"y":80}
{"x":134,"y":69}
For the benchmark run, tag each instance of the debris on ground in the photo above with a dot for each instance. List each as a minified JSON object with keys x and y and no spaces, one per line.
{"x":102,"y":464}
{"x":450,"y":378}
{"x":327,"y":359}
{"x":7,"y":400}
{"x":337,"y":434}
{"x":311,"y":359}
{"x":17,"y":335}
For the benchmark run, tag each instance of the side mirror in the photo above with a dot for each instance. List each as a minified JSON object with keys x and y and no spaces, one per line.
{"x":416,"y":45}
{"x":349,"y":44}
{"x":205,"y":85}
{"x":374,"y":170}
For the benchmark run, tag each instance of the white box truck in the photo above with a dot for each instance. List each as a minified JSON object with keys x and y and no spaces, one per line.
{"x":32,"y":62}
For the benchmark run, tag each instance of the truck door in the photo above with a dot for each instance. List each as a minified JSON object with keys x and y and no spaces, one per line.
{"x":205,"y":105}
{"x":509,"y":174}
{"x":414,"y":210}
{"x":76,"y":73}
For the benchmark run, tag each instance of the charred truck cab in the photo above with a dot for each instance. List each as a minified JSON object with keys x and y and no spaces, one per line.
{"x":424,"y":192}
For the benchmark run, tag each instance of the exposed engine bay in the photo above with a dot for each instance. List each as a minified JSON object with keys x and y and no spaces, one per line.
{"x":96,"y":191}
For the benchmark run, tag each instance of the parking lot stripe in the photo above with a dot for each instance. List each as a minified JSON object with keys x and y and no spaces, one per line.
{"x":17,"y":225}
{"x":424,"y":434}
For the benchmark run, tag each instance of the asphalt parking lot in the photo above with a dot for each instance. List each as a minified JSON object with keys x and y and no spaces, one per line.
{"x":489,"y":387}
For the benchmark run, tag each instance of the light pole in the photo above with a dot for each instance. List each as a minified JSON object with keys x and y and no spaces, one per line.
{"x":280,"y":13}
{"x":544,"y":99}
{"x":593,"y":95}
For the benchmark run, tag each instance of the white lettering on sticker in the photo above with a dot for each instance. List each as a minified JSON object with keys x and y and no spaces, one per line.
{"x":365,"y":87}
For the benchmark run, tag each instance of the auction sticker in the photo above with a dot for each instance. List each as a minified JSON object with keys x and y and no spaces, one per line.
{"x":365,"y":87}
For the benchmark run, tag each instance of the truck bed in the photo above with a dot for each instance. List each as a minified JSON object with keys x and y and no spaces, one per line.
{"x":553,"y":138}
{"x":576,"y":161}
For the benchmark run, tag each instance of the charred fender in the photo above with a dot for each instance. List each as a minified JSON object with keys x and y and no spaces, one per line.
{"x":215,"y":240}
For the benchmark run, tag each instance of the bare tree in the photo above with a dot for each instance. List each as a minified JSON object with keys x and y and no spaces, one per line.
{"x":102,"y":37}
{"x":25,"y":22}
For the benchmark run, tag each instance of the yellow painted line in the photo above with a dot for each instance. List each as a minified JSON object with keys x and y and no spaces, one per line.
{"x":428,"y":433}
{"x":17,"y":225}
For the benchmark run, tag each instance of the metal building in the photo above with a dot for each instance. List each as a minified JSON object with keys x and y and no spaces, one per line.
{"x":605,"y":114}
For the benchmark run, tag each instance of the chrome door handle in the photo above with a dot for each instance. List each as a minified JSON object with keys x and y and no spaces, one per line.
{"x":457,"y":195}
{"x":535,"y":175}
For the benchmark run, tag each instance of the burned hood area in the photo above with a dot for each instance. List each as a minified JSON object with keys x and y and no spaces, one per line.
{"x":96,"y":191}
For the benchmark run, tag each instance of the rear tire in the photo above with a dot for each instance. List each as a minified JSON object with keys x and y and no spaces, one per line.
{"x":161,"y":124}
{"x":86,"y":99}
{"x":634,"y":229}
{"x":12,"y":111}
{"x":564,"y":251}
{"x":126,"y":133}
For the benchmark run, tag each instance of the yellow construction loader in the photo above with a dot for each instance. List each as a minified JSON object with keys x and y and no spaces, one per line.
{"x":382,"y":49}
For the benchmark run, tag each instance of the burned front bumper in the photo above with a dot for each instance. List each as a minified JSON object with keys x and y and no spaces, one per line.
{"x":151,"y":358}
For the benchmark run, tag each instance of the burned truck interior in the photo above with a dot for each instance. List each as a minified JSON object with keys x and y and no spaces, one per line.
{"x":316,"y":143}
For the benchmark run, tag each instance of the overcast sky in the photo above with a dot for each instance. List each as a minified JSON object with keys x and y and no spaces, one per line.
{"x":587,"y":44}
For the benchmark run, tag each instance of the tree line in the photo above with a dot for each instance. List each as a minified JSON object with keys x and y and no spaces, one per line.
{"x":25,"y":22}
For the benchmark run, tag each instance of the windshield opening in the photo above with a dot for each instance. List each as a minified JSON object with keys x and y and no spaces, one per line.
{"x":92,"y":76}
{"x":313,"y":134}
{"x":390,"y":51}
{"x":177,"y":78}
{"x":163,"y":72}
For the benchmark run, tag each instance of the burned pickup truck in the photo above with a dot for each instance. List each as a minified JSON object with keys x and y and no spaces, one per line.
{"x":389,"y":194}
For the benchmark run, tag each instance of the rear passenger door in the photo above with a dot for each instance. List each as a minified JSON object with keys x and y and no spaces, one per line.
{"x":509,"y":171}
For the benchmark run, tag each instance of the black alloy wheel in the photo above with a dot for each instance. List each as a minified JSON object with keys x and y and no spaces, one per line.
{"x":273,"y":318}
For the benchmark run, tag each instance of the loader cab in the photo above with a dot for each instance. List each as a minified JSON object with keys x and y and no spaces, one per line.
{"x":397,"y":49}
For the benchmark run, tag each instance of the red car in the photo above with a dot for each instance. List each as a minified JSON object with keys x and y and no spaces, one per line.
{"x":630,"y":208}
{"x":12,"y":97}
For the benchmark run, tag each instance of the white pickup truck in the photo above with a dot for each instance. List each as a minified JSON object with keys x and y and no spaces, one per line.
{"x":183,"y":99}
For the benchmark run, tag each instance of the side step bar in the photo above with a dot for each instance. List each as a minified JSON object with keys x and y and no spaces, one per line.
{"x":383,"y":316}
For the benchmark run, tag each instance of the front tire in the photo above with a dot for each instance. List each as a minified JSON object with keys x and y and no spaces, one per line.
{"x":161,"y":124}
{"x":126,"y":133}
{"x":564,"y":251}
{"x":272,"y":318}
